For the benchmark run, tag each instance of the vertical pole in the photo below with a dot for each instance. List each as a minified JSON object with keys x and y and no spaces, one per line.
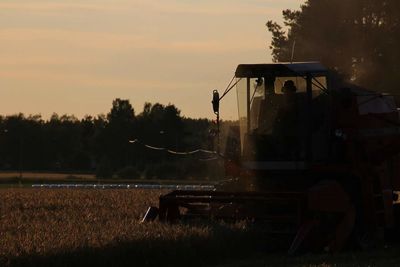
{"x":330,"y":112}
{"x":218,"y":144}
{"x":309,"y":119}
{"x":248,"y":105}
{"x":20,"y":156}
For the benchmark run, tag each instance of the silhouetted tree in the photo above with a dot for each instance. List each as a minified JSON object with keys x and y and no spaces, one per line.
{"x":357,"y":38}
{"x":121,"y":112}
{"x":116,"y":134}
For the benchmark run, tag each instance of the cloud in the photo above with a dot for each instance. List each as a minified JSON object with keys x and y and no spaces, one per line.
{"x":120,"y":42}
{"x":213,"y":9}
{"x":51,"y":6}
{"x":76,"y":78}
{"x":120,"y":6}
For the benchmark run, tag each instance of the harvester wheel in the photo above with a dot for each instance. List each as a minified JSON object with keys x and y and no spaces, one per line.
{"x":331,"y":218}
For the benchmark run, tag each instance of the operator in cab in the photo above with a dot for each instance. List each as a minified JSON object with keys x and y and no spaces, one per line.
{"x":287,"y":122}
{"x":289,"y":90}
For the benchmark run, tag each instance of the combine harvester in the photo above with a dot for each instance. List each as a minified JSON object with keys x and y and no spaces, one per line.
{"x":314,"y":161}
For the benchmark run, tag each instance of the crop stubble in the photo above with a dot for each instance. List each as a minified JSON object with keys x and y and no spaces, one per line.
{"x":92,"y":227}
{"x":47,"y":222}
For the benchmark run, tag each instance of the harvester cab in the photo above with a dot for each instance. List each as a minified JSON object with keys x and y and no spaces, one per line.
{"x":282,"y":114}
{"x":312,"y":160}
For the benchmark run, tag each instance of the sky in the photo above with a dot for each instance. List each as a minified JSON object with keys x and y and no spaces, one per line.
{"x":76,"y":56}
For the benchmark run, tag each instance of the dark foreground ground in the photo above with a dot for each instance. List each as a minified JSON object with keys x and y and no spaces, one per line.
{"x":61,"y":227}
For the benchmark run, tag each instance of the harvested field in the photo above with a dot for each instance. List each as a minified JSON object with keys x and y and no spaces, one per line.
{"x":14,"y":179}
{"x":46,"y":175}
{"x":101,"y":228}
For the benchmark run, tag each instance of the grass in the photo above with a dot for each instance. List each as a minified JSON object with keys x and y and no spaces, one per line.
{"x":44,"y":227}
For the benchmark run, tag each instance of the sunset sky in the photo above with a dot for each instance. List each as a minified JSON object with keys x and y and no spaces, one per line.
{"x":76,"y":56}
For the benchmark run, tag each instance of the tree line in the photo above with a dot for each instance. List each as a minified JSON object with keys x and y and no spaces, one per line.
{"x":112,"y":145}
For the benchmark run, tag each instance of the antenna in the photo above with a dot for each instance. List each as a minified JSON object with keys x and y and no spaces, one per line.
{"x":293,"y":49}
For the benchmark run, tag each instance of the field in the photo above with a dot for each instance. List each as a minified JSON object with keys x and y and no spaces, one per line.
{"x":46,"y":176}
{"x":61,"y":227}
{"x":13,"y":180}
{"x":17,"y":179}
